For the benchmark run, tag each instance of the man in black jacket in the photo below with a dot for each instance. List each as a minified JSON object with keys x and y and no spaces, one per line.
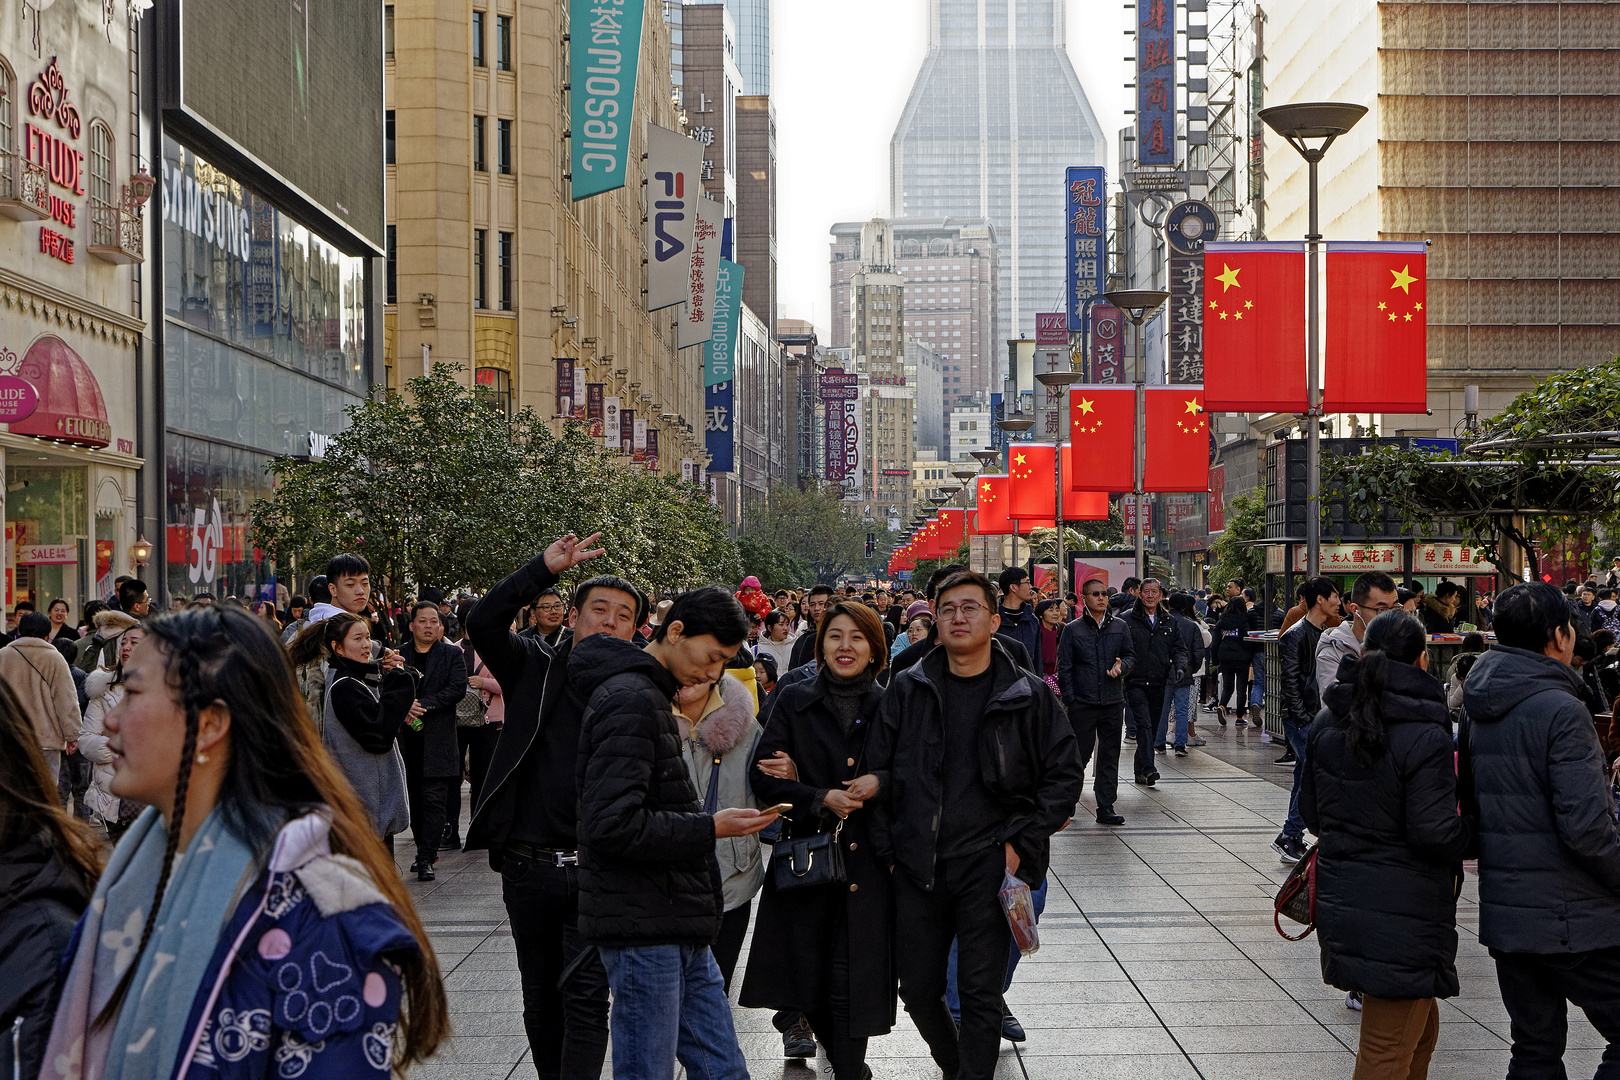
{"x":649,"y":885}
{"x":1095,"y":657}
{"x":1017,"y":610}
{"x":977,"y":768}
{"x":527,"y":815}
{"x":1161,"y":659}
{"x":1549,"y":848}
{"x":428,"y":746}
{"x":1296,"y":650}
{"x":1125,"y":599}
{"x":804,"y":648}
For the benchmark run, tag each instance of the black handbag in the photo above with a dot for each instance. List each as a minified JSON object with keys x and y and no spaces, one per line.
{"x":808,"y":860}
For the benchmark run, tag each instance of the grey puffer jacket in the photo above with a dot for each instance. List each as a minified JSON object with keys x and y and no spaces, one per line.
{"x":727,"y":736}
{"x":1549,"y":847}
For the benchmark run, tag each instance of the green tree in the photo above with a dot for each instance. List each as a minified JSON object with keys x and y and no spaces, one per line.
{"x":438,"y":486}
{"x":1245,"y":520}
{"x":775,"y":568}
{"x":816,"y":525}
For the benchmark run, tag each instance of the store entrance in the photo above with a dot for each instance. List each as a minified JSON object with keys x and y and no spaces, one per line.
{"x":47,"y":536}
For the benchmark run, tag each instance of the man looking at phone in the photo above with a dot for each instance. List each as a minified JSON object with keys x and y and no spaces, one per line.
{"x":977,"y":768}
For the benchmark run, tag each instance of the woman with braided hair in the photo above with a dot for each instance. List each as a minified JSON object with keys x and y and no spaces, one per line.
{"x":249,"y":924}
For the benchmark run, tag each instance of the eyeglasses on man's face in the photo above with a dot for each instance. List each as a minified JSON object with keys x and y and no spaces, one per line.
{"x":965,"y":611}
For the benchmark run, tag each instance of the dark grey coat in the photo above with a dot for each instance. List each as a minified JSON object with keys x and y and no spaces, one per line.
{"x":1549,"y":848}
{"x":442,"y":685}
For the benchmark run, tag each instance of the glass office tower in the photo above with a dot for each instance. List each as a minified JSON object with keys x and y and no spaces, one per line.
{"x":995,"y":116}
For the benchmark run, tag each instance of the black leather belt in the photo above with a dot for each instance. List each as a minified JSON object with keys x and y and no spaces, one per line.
{"x":549,"y":856}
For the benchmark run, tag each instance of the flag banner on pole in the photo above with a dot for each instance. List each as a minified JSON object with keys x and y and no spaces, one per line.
{"x":697,"y":321}
{"x":1079,"y":505}
{"x":953,"y":529}
{"x":1177,"y":440}
{"x":1254,"y":327}
{"x":674,"y":181}
{"x":1033,"y":485}
{"x":1102,"y":430}
{"x":604,"y":50}
{"x":992,"y":516}
{"x":1376,"y":349}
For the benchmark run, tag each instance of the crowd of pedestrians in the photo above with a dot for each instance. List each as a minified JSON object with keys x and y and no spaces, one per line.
{"x":854,"y":778}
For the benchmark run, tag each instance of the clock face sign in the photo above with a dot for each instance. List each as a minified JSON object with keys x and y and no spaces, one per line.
{"x":1188,"y":225}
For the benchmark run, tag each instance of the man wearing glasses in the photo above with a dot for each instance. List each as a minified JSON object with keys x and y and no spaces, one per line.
{"x":549,"y":615}
{"x":1096,"y":654}
{"x":977,"y":768}
{"x":1371,"y":596}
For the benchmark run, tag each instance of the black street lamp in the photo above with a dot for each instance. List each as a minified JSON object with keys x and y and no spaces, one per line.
{"x":1138,"y":304}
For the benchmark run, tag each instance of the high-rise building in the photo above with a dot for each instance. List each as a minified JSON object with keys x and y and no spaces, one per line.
{"x":924,"y":373}
{"x":995,"y":116}
{"x":710,"y":82}
{"x":949,"y":268}
{"x":753,"y":21}
{"x":888,"y":402}
{"x":756,"y":204}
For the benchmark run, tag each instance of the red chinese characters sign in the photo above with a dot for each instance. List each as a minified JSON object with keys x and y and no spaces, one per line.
{"x":48,"y":155}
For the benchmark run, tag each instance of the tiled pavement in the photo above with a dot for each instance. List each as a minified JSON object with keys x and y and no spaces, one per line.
{"x":1158,"y":957}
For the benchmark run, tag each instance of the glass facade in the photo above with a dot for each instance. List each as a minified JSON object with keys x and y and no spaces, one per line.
{"x":264,"y":345}
{"x":988,"y":131}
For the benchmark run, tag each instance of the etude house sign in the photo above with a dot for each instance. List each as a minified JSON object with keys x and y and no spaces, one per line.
{"x":54,"y":154}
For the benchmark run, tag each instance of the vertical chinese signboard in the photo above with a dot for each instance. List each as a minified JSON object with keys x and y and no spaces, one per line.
{"x":1186,"y":227}
{"x":719,"y":367}
{"x":1107,"y":360}
{"x":565,"y":387}
{"x":840,"y":391}
{"x":1084,"y":191}
{"x":1156,"y":82}
{"x":593,"y":408}
{"x":1051,"y":354}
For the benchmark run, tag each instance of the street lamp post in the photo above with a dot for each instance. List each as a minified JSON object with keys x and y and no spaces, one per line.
{"x":1138,"y":304}
{"x":1324,"y":120}
{"x":1059,"y":381}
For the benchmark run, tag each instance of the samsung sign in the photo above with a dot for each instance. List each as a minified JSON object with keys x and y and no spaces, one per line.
{"x":211,"y":211}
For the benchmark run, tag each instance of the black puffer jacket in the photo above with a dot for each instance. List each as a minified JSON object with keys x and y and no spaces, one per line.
{"x":1028,"y":759}
{"x":1549,"y":848}
{"x":1161,"y":654}
{"x":40,"y":901}
{"x":1232,"y":637}
{"x":1388,"y":866}
{"x":1192,"y":639}
{"x":647,"y":872}
{"x":1086,"y":653}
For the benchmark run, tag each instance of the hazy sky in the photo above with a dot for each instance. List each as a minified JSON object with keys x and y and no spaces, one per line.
{"x":840,"y":75}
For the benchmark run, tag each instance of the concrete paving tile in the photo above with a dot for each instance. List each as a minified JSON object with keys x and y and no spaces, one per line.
{"x":1204,"y":949}
{"x":1135,"y":1067}
{"x":1255,"y":1039}
{"x":487,"y":1023}
{"x":442,"y":1068}
{"x":1175,"y":991}
{"x":1025,"y":991}
{"x":473,"y":979}
{"x":1329,"y":1065}
{"x":1268,"y":1012}
{"x":1103,"y":1042}
{"x":483,"y":1049}
{"x":1079,"y":1016}
{"x":1190,"y":969}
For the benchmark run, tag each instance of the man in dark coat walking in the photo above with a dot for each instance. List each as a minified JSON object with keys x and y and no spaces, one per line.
{"x":1161,"y":658}
{"x":1549,"y":848}
{"x":1017,"y":610}
{"x":649,"y":884}
{"x":1296,"y":651}
{"x":1095,"y":657}
{"x":528,"y":813}
{"x":977,"y":768}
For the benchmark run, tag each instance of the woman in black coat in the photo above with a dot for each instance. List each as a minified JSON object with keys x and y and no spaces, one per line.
{"x":428,"y":743}
{"x":1380,"y":790}
{"x":1232,"y":654}
{"x":825,"y":950}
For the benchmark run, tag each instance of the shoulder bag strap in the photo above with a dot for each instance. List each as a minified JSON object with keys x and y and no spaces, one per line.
{"x":50,"y":686}
{"x":711,"y":796}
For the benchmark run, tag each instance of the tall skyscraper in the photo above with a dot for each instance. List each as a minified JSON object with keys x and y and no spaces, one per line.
{"x":995,"y":116}
{"x":753,"y":21}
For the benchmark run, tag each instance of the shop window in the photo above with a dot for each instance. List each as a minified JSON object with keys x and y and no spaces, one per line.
{"x":504,"y":146}
{"x":480,"y":296}
{"x":388,"y":137}
{"x":8,"y":97}
{"x":506,"y":271}
{"x":503,"y":42}
{"x":497,"y":386}
{"x":104,"y":229}
{"x":388,"y":31}
{"x":478,"y":39}
{"x":479,"y":162}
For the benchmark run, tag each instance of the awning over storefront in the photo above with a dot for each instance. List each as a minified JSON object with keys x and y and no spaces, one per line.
{"x":71,"y":408}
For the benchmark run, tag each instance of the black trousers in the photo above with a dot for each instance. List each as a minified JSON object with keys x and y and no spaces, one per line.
{"x":427,"y":796}
{"x":1536,"y":989}
{"x":1235,"y":678}
{"x":1101,"y":726}
{"x":1146,"y":703}
{"x":728,"y":946}
{"x":566,"y":1020}
{"x":963,"y":904}
{"x":845,"y":1052}
{"x":475,"y":749}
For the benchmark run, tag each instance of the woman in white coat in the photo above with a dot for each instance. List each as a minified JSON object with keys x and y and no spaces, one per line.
{"x":104,"y":688}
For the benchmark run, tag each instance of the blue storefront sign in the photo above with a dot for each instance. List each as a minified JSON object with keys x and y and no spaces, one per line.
{"x":1156,"y":82}
{"x":1085,"y":193}
{"x":604,"y":47}
{"x":720,"y":369}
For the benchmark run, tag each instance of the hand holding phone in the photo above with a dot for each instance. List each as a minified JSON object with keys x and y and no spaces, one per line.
{"x":779,"y":808}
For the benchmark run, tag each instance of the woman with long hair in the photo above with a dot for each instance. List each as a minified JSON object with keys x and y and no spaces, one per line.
{"x":777,"y":640}
{"x":1380,"y":789}
{"x":825,"y":950}
{"x":282,"y":943}
{"x":1232,"y":653}
{"x":105,"y":689}
{"x":49,"y":863}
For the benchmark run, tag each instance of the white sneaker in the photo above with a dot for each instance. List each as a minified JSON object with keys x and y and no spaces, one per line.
{"x":1352,"y":1001}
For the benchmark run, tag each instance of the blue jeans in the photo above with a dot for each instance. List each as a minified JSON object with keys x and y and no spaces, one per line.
{"x":953,"y":1000}
{"x":1257,"y":683}
{"x":1297,"y":733}
{"x":669,"y":1005}
{"x":1179,"y":699}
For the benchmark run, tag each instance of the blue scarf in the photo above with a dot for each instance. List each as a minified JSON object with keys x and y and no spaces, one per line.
{"x":203,"y":888}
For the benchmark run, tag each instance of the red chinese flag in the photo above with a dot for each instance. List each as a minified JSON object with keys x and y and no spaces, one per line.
{"x":1102,"y":430}
{"x":992,"y":501}
{"x":1033,"y":486}
{"x":1376,"y":356}
{"x":1080,"y":505}
{"x":1177,"y":440}
{"x":1254,"y":327}
{"x":953,"y":529}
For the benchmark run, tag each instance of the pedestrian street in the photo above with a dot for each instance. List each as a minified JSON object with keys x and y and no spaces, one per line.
{"x":1158,"y":957}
